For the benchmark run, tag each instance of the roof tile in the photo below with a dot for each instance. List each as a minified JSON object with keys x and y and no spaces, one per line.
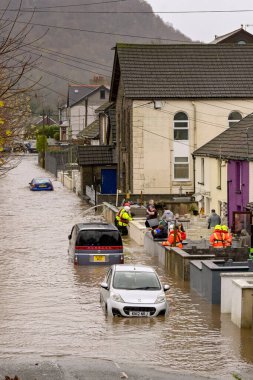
{"x":185,"y":71}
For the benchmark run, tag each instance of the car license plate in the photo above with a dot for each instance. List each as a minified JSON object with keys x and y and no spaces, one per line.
{"x":139,"y":313}
{"x":42,"y":185}
{"x":100,"y":259}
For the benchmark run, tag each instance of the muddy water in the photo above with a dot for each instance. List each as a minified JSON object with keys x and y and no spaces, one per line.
{"x":50,"y":308}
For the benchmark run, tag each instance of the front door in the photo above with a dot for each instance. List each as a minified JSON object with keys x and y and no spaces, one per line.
{"x":108,"y":181}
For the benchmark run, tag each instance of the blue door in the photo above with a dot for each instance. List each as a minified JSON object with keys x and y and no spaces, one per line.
{"x":108,"y":181}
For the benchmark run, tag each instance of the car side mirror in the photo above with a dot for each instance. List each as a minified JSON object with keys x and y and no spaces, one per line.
{"x":104,"y":285}
{"x":69,"y":237}
{"x":30,"y":183}
{"x":166,"y":287}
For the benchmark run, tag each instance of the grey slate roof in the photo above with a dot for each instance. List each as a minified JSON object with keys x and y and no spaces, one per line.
{"x":89,"y":155}
{"x":76,"y":93}
{"x":38,"y":120}
{"x":235,"y":143}
{"x":91,"y":131}
{"x":104,"y":107}
{"x":183,"y":71}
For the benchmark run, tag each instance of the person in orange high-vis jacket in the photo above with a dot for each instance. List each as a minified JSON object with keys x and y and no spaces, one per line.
{"x":174,"y":238}
{"x":217,"y":237}
{"x":227,"y":236}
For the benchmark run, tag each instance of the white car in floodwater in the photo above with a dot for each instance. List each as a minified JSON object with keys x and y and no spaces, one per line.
{"x":133,"y":291}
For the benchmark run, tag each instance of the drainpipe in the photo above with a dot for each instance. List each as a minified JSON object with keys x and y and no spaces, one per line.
{"x":194,"y":141}
{"x":86,"y":112}
{"x":194,"y":126}
{"x":171,"y":168}
{"x":194,"y":173}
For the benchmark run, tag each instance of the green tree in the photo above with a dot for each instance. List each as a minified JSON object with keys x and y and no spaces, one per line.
{"x":41,"y":143}
{"x":48,"y":130}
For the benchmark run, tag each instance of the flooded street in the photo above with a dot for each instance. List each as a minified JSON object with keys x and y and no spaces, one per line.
{"x":49,"y":308}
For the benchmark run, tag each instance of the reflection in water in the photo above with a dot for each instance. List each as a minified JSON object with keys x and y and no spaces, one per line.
{"x":241,"y":340}
{"x":49,"y":307}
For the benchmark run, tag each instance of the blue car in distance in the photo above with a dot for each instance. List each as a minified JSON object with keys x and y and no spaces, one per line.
{"x":40,"y":184}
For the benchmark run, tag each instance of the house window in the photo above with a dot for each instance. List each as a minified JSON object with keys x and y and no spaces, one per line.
{"x":202,"y":171}
{"x":181,"y":168}
{"x":219,"y":174}
{"x":181,"y":126}
{"x":102,"y":94}
{"x":238,"y":177}
{"x":233,"y":118}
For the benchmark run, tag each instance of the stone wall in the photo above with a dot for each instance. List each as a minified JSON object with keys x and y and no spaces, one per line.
{"x":109,"y":212}
{"x":205,"y":276}
{"x":242,"y":303}
{"x":227,"y":288}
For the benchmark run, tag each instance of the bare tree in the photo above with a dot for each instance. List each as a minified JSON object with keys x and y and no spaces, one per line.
{"x":15,"y":64}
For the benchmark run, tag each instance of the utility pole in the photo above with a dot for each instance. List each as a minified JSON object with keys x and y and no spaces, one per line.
{"x":175,"y":234}
{"x":70,"y":144}
{"x":43,"y":140}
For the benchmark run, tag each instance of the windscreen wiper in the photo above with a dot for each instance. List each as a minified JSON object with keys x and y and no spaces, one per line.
{"x":147,"y":287}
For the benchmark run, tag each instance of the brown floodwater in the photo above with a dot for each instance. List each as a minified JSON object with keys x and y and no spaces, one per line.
{"x":50,"y":308}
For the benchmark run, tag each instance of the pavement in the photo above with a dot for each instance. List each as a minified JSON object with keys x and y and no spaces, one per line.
{"x":69,"y":368}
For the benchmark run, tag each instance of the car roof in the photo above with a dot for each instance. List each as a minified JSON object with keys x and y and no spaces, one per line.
{"x":41,"y":179}
{"x":96,"y":226}
{"x":133,"y":268}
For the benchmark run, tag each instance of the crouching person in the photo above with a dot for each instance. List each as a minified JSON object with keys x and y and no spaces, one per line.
{"x":160,"y":232}
{"x":174,"y":238}
{"x":122,"y":220}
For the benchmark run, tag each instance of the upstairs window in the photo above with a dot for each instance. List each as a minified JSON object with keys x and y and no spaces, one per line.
{"x":181,"y":126}
{"x":202,"y":171}
{"x":219,"y":162}
{"x":238,"y":177}
{"x":233,"y":118}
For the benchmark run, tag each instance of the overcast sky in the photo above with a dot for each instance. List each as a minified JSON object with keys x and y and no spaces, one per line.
{"x":204,"y":27}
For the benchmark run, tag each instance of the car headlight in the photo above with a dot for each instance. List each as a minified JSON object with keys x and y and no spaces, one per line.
{"x":160,"y":299}
{"x":117,"y":298}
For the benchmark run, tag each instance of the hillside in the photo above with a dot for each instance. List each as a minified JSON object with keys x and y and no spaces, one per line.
{"x":90,"y":51}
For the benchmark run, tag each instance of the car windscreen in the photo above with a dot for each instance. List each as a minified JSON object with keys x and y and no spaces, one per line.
{"x":136,"y":281}
{"x":99,"y":238}
{"x":42,"y":180}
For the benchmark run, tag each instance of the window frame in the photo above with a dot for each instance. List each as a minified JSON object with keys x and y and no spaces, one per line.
{"x":219,"y":162}
{"x":202,"y":178}
{"x":177,"y":128}
{"x":232,"y":122}
{"x":238,"y":177}
{"x":178,"y":163}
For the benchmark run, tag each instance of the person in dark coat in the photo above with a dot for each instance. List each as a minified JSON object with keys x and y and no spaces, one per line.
{"x":214,"y":219}
{"x":151,"y":214}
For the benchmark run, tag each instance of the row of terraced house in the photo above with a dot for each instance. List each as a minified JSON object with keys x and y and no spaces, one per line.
{"x":175,"y":123}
